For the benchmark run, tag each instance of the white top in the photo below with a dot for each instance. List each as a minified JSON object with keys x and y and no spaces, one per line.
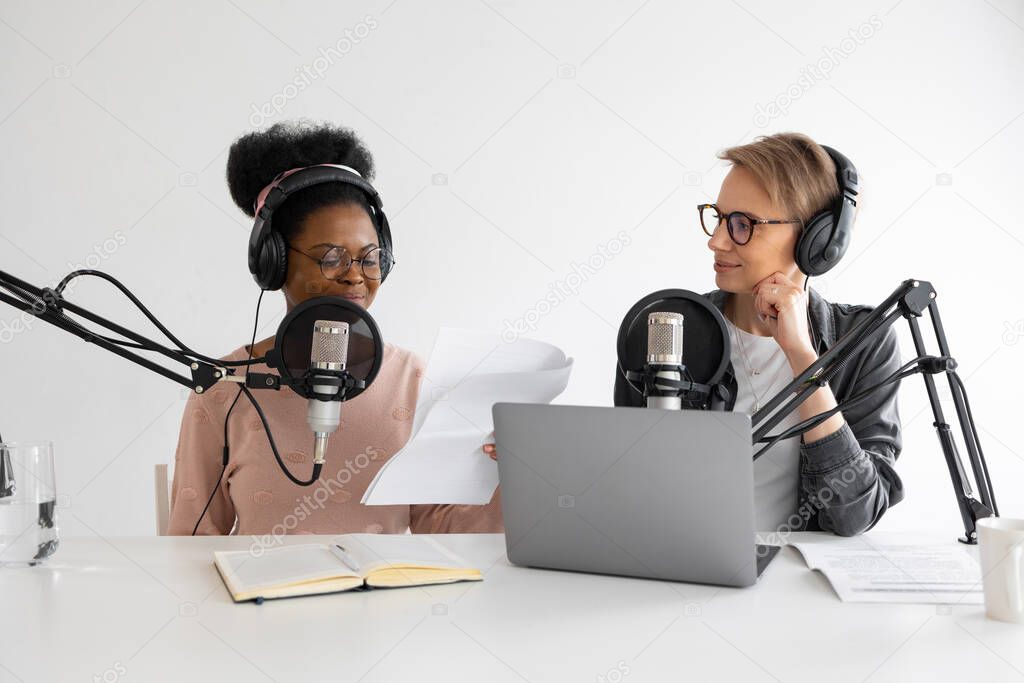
{"x":762,"y":371}
{"x":153,"y":609}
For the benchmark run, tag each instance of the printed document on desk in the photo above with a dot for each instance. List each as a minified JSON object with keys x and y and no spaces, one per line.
{"x":861,"y":570}
{"x":468,"y":372}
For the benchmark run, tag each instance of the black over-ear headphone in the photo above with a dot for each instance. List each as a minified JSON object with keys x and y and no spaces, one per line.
{"x":826,"y":236}
{"x":268,"y":250}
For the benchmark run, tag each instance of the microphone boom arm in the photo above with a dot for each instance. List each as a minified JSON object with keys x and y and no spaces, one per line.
{"x":909,"y":300}
{"x":49,"y":305}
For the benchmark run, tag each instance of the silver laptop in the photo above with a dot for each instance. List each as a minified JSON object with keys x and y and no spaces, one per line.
{"x":664,"y":494}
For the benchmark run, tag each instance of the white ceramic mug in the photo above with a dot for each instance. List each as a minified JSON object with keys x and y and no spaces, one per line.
{"x":1001,"y":542}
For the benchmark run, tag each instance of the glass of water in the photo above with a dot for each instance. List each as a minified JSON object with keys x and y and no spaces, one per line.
{"x":28,"y":501}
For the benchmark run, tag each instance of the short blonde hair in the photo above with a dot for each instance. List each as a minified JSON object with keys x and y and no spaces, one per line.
{"x":796,"y":171}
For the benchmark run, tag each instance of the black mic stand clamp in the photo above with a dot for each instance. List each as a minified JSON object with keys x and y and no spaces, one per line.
{"x":313,"y":378}
{"x":693,"y":394}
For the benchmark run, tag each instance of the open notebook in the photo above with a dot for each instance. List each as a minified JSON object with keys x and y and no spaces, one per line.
{"x":347,"y":562}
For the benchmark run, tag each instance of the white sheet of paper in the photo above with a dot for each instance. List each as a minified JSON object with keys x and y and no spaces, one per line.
{"x":928,"y":574}
{"x":468,"y":372}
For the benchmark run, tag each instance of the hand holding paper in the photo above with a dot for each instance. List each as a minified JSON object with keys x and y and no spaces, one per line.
{"x":468,"y":372}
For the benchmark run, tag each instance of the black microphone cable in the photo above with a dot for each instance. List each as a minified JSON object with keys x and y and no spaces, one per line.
{"x":244,"y":389}
{"x":59,"y":289}
{"x":273,"y":446}
{"x":812,"y":422}
{"x":241,"y":388}
{"x":75,"y":327}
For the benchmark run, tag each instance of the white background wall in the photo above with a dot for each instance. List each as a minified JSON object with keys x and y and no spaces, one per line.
{"x":513,"y":139}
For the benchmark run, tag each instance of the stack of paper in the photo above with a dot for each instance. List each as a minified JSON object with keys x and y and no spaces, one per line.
{"x":468,"y":372}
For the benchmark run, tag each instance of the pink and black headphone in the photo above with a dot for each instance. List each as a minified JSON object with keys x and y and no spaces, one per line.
{"x":268,"y":250}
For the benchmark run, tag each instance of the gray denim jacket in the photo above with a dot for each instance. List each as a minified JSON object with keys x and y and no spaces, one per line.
{"x":847,"y":479}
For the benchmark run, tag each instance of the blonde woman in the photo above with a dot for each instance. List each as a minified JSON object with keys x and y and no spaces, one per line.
{"x":840,"y":475}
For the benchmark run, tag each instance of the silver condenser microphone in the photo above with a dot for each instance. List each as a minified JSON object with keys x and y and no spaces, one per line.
{"x":664,"y":349}
{"x":329,"y":352}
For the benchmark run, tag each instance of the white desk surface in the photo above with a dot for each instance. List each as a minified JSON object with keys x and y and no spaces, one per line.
{"x":154,"y":609}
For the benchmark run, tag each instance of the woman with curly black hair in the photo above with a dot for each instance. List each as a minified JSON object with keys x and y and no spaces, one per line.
{"x":333,"y":249}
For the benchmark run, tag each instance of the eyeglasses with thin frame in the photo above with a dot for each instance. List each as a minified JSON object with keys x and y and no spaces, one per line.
{"x":336,"y":262}
{"x":739,"y":224}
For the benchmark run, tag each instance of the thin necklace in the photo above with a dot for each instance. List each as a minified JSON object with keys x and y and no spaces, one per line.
{"x":750,"y":371}
{"x":746,"y":361}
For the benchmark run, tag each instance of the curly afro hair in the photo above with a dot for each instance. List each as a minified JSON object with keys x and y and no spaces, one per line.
{"x":256,"y":158}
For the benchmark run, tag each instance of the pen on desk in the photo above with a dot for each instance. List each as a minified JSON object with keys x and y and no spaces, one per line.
{"x":345,"y":557}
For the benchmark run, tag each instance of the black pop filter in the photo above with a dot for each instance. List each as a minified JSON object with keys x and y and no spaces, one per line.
{"x":706,"y":346}
{"x":293,"y":345}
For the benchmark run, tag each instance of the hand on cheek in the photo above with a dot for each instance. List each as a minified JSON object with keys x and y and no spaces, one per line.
{"x":782,"y":305}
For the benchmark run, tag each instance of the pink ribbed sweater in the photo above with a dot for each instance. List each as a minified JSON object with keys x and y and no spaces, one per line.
{"x":254,"y":497}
